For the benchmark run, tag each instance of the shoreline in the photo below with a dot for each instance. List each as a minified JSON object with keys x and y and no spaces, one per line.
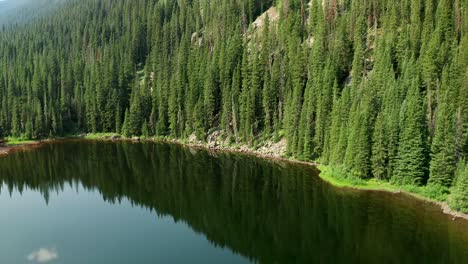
{"x":393,"y":190}
{"x":444,"y":206}
{"x":333,"y":181}
{"x":6,"y":149}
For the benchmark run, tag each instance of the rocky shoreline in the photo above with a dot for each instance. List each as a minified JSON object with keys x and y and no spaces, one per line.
{"x":6,"y":149}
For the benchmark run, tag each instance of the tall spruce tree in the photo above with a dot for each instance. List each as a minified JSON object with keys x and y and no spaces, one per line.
{"x":443,"y":159}
{"x":459,"y":199}
{"x":379,"y":149}
{"x":411,"y":161}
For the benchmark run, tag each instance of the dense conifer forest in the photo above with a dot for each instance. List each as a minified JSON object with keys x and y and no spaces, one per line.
{"x":378,"y":88}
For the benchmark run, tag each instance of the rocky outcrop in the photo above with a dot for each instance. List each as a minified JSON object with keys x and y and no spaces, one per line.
{"x":272,"y":14}
{"x":274,"y":149}
{"x":217,"y":141}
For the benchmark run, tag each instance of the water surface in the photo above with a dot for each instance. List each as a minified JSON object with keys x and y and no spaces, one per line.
{"x":104,"y":202}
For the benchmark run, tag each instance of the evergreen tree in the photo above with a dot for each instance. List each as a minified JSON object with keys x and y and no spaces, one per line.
{"x":336,"y":84}
{"x":144,"y":130}
{"x":379,"y":149}
{"x":442,"y":166}
{"x":458,"y":198}
{"x":410,"y":167}
{"x":126,"y":131}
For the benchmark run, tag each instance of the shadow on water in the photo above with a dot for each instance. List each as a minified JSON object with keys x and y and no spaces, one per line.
{"x":268,"y":211}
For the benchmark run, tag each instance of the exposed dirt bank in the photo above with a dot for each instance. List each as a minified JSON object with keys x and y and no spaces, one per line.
{"x":6,"y":149}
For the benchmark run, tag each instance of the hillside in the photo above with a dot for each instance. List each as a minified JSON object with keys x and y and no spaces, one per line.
{"x":374,"y":88}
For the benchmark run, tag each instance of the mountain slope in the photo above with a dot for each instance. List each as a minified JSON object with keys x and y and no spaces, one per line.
{"x":373,"y":87}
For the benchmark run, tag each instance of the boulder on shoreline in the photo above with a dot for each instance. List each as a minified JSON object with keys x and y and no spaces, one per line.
{"x":116,"y":137}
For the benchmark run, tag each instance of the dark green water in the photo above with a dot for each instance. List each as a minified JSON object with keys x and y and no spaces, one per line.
{"x":96,"y":202}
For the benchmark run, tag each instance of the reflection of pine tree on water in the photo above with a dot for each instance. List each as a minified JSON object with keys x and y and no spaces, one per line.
{"x":265,"y":210}
{"x":459,"y":190}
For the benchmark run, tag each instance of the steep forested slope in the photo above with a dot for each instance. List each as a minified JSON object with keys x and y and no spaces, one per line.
{"x":378,"y":88}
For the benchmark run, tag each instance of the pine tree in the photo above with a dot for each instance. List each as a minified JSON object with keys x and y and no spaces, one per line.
{"x":199,"y":117}
{"x":15,"y":122}
{"x":118,"y":120}
{"x":339,"y":89}
{"x":38,"y":122}
{"x":410,"y":167}
{"x":458,"y":198}
{"x":256,"y":87}
{"x":126,"y":132}
{"x":379,"y":149}
{"x":269,"y":98}
{"x":295,"y":100}
{"x":144,"y":130}
{"x":247,"y":110}
{"x":135,"y":121}
{"x":339,"y":127}
{"x":442,"y":166}
{"x":324,"y":107}
{"x":29,"y":129}
{"x":358,"y":152}
{"x":235,"y":103}
{"x":358,"y":60}
{"x":415,"y":25}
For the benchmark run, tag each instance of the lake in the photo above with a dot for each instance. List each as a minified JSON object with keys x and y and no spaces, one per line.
{"x":122,"y":202}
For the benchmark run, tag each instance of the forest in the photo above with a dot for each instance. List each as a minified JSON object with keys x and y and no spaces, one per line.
{"x":377,"y":88}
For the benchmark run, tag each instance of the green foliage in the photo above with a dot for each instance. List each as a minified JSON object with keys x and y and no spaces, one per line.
{"x":144,"y":130}
{"x":459,"y":197}
{"x":443,"y":151}
{"x":126,"y":130}
{"x":97,"y":136}
{"x":377,"y":89}
{"x":338,"y":176}
{"x":411,"y":167}
{"x":18,"y":141}
{"x":379,"y":149}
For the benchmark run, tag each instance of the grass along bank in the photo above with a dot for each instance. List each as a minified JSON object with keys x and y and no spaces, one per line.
{"x":436,"y":194}
{"x":97,"y":136}
{"x":8,"y":145}
{"x":339,"y":178}
{"x":16,"y":141}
